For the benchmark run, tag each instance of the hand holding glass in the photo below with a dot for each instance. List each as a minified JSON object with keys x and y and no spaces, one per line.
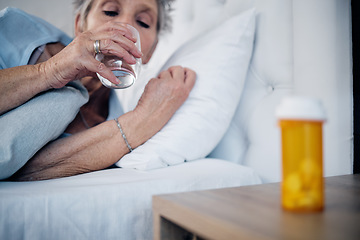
{"x":126,"y":73}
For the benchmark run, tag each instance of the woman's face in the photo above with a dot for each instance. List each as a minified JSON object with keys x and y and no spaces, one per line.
{"x":141,"y":14}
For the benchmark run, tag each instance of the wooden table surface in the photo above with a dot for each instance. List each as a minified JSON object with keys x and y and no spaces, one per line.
{"x":254,"y":212}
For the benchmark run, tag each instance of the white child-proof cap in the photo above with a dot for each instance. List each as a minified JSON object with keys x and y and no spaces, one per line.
{"x":302,"y":108}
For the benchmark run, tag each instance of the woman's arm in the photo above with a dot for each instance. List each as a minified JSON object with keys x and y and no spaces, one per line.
{"x":75,"y":61}
{"x":19,"y":84}
{"x":101,"y":146}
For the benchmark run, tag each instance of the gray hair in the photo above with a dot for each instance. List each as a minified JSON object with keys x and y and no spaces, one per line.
{"x":164,"y":22}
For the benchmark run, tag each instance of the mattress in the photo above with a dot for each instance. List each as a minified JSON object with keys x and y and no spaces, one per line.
{"x":108,"y":204}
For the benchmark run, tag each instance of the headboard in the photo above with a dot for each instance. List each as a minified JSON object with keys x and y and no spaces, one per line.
{"x":301,"y":47}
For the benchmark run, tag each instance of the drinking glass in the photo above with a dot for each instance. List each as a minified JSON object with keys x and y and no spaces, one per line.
{"x":126,"y":73}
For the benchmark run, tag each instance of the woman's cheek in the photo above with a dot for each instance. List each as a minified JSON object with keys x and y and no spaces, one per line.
{"x":147,"y":44}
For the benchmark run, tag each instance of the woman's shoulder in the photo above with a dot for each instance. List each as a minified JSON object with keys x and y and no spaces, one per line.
{"x":10,"y":11}
{"x":21,"y":33}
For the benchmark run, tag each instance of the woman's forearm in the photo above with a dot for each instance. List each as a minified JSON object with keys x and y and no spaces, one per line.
{"x":94,"y":149}
{"x":19,"y":84}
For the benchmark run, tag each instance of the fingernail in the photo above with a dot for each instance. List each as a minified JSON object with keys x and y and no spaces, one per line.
{"x":116,"y":80}
{"x":139,"y":53}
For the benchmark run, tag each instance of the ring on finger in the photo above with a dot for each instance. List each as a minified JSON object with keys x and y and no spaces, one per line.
{"x":97,"y":46}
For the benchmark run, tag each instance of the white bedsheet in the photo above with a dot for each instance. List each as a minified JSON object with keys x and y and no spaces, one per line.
{"x":108,"y":204}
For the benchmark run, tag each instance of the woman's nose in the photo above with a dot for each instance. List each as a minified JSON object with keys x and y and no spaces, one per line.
{"x":124,"y":19}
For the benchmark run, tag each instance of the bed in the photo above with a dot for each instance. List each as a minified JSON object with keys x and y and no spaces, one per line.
{"x":279,"y":47}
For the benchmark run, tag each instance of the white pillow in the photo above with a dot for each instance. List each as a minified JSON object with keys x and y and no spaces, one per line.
{"x":220,"y":58}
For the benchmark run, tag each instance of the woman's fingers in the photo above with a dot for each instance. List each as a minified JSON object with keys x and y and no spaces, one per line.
{"x":175,"y":84}
{"x":120,"y":28}
{"x":102,"y":70}
{"x":115,"y":37}
{"x":164,"y":75}
{"x":177,"y":72}
{"x":109,"y":47}
{"x":190,"y":77}
{"x":115,"y":44}
{"x":185,"y":75}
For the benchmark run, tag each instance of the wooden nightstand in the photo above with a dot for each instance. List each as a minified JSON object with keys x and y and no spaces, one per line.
{"x":254,"y":212}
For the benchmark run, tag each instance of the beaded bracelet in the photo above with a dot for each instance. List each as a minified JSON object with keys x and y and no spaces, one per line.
{"x":123,"y":135}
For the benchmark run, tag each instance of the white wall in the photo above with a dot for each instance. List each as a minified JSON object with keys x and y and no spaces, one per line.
{"x":326,"y":31}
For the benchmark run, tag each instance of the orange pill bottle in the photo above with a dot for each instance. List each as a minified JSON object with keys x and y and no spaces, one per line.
{"x":301,"y":120}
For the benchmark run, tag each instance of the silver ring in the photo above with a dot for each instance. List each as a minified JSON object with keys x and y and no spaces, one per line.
{"x":97,"y":46}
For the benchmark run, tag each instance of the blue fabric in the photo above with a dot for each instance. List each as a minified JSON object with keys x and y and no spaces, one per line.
{"x":27,"y":128}
{"x":21,"y":34}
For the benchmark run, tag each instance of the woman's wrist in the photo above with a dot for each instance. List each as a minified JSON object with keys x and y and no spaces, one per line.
{"x":44,"y":76}
{"x":51,"y":72}
{"x":137,"y":128}
{"x":47,"y":67}
{"x":123,"y":134}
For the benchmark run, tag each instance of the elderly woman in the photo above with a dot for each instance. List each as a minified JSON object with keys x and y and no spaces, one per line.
{"x":95,"y":143}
